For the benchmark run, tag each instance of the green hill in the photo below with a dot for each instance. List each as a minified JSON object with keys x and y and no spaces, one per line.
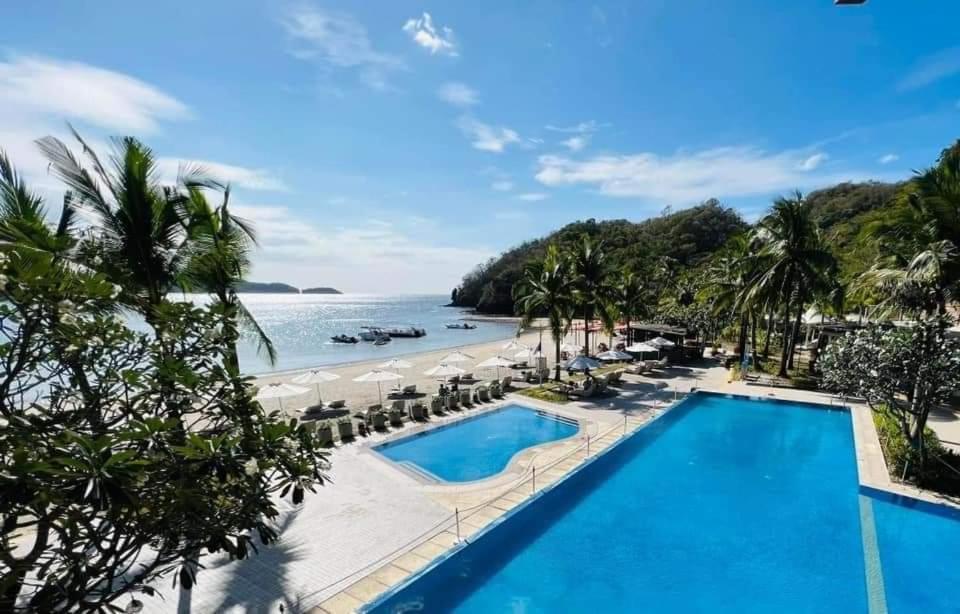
{"x":267,"y":288}
{"x":687,"y":237}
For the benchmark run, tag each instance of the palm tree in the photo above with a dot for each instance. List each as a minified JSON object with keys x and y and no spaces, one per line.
{"x":629,"y":298}
{"x":588,"y":263}
{"x":138,"y":224}
{"x":919,"y":266}
{"x":23,"y":216}
{"x":798,"y":264}
{"x":546,"y":288}
{"x":218,"y":260}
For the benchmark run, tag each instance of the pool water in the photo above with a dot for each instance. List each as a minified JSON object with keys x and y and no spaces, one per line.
{"x":721,"y":505}
{"x":477,"y":447}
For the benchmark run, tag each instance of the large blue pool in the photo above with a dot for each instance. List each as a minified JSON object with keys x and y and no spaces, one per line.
{"x":722,"y":505}
{"x":477,"y":447}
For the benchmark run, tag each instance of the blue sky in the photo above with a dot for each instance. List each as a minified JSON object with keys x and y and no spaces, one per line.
{"x":391,"y":146}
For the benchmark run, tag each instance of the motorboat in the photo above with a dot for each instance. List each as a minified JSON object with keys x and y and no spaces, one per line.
{"x":344,"y":339}
{"x":382,"y":341}
{"x":405,"y":331}
{"x":371,"y":333}
{"x":462,"y":326}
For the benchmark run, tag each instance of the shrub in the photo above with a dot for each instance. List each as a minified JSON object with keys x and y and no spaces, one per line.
{"x":941,"y":472}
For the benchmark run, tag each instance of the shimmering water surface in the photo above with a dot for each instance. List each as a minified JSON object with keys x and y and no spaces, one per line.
{"x":301,"y":325}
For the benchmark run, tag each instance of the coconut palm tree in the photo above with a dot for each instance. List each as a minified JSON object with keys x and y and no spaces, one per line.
{"x":219,"y":245}
{"x":919,"y":266}
{"x":546,"y":288}
{"x":588,"y":262}
{"x":629,"y":298}
{"x":797,"y":264}
{"x":139,"y":225}
{"x":23,"y":216}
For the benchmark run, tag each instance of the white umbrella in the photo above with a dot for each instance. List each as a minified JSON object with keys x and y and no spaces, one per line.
{"x":444,"y":370}
{"x":378,"y":376}
{"x":581,"y":363}
{"x":528,"y":354}
{"x":396,"y":364}
{"x":614,"y":355}
{"x":513,"y":344}
{"x":316,"y":377}
{"x":279,"y":391}
{"x":642,"y":348}
{"x":456,"y":356}
{"x":661,"y":342}
{"x":495,"y":361}
{"x":571,"y":348}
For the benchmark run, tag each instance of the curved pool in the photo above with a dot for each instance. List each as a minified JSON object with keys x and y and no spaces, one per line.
{"x":477,"y":447}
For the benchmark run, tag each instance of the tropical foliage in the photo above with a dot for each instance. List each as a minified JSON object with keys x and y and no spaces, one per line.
{"x":127,"y":457}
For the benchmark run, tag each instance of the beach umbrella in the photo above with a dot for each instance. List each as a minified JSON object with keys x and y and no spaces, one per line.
{"x":661,"y":342}
{"x":528,"y":354}
{"x":614,"y":355}
{"x":513,"y":344}
{"x":495,"y":361}
{"x":456,"y":356}
{"x":641,"y":348}
{"x":280,"y":391}
{"x":316,"y":377}
{"x":571,"y":348}
{"x":581,"y":363}
{"x":444,"y":370}
{"x":396,"y":364}
{"x":378,"y":376}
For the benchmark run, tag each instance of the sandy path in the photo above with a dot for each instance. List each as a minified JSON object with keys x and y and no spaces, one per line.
{"x":359,"y":395}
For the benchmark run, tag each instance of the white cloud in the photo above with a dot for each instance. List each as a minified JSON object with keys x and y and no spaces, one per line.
{"x":582,"y":128}
{"x":338,"y":41}
{"x":237,"y":176}
{"x":576,"y":143}
{"x":502,"y":185}
{"x":887,"y":159}
{"x":373,"y":257}
{"x":35,"y":87}
{"x":931,"y":69}
{"x":688,"y":177}
{"x":813,"y":161}
{"x":458,"y":94}
{"x":533,"y":196}
{"x":423,"y":33}
{"x":486,"y":137}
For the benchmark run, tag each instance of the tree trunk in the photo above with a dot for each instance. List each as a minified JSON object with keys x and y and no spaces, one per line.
{"x":587,"y":317}
{"x":742,"y":337}
{"x":753,"y":340}
{"x":795,"y":334}
{"x":771,"y":317}
{"x":556,"y":340}
{"x":787,"y":293}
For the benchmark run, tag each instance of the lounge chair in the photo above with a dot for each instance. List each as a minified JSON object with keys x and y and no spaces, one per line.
{"x":465,"y":397}
{"x":452,"y":402}
{"x":505,"y":382}
{"x":379,"y":422}
{"x":396,"y":417}
{"x":418,"y":411}
{"x":399,"y":406}
{"x":338,"y":404}
{"x":436,"y":404}
{"x":615,"y":377}
{"x":495,"y":390}
{"x":483,"y":393}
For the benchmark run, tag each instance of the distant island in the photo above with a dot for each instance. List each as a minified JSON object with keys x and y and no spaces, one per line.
{"x":321,"y":290}
{"x":267,"y":288}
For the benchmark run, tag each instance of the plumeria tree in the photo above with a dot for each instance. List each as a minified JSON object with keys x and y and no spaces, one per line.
{"x":908,"y":371}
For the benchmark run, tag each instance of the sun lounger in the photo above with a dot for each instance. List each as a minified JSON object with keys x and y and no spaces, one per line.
{"x":396,"y":417}
{"x":398,"y":406}
{"x":418,"y":412}
{"x":436,"y":404}
{"x":495,"y":390}
{"x":379,"y":420}
{"x":483,"y":393}
{"x":465,"y":399}
{"x":452,"y":402}
{"x":505,"y":382}
{"x":338,"y":404}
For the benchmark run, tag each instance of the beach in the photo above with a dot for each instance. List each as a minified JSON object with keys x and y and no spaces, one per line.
{"x":359,"y":395}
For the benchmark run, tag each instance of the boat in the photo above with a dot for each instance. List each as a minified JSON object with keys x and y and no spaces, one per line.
{"x":462,"y":326}
{"x":382,"y":341}
{"x":344,"y":339}
{"x":370,"y":333}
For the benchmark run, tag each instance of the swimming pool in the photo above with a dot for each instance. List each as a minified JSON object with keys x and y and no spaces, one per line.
{"x":722,"y":505}
{"x":479,"y":446}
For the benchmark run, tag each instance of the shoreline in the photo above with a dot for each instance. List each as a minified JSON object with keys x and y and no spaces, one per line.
{"x":359,"y":395}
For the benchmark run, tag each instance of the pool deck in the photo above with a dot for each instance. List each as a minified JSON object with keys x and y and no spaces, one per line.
{"x":376,"y":525}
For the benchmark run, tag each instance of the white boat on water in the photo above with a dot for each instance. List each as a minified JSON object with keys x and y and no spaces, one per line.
{"x":372,"y":333}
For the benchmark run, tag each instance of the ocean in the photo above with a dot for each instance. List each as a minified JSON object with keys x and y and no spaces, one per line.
{"x":301,"y":325}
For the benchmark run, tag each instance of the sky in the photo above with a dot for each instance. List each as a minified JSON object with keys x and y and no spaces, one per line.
{"x":389,"y":147}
